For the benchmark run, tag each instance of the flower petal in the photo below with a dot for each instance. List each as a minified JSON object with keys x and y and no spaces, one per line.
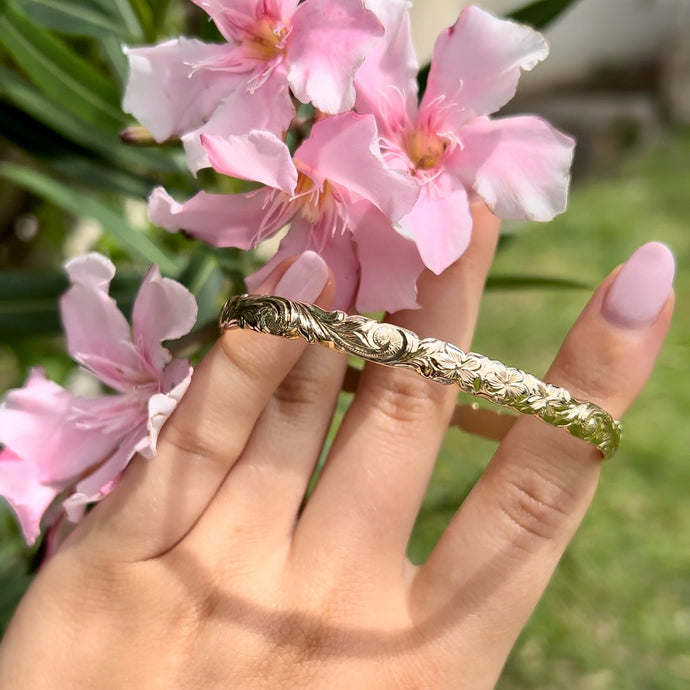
{"x":41,"y":424}
{"x":440,"y":223}
{"x":178,"y":376}
{"x":328,"y":43}
{"x":168,"y":92}
{"x":258,"y":156}
{"x":163,"y":310}
{"x":21,"y":487}
{"x":389,"y":263}
{"x":386,"y":83}
{"x":337,"y":250}
{"x":234,"y":17}
{"x":269,"y":108}
{"x":98,"y":335}
{"x":519,"y":166}
{"x":476,"y":67}
{"x":105,"y":477}
{"x":223,"y":220}
{"x":343,"y":150}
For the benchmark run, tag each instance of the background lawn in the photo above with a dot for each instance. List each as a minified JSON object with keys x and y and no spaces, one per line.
{"x":617,"y":613}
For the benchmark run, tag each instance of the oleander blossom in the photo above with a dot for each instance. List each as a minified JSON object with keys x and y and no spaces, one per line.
{"x":184,"y":87}
{"x":335,"y":191}
{"x":519,"y":166}
{"x":384,"y":191}
{"x":57,"y":444}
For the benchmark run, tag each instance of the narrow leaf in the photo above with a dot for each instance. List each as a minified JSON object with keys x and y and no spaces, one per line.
{"x":79,"y":204}
{"x":144,"y":15}
{"x":522,"y":282}
{"x":204,"y":279}
{"x":29,"y":301}
{"x":111,"y":50}
{"x":59,"y":72}
{"x":73,"y":17}
{"x":122,"y":10}
{"x":541,"y":13}
{"x":19,"y":92}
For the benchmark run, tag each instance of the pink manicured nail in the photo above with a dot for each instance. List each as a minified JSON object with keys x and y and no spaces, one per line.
{"x":641,"y":287}
{"x":305,"y":279}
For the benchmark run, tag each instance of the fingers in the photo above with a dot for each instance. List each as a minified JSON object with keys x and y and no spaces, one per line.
{"x":378,"y":468}
{"x":159,"y":500}
{"x":500,"y":550}
{"x":260,"y":499}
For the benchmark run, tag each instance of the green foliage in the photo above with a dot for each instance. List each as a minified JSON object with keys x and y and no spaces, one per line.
{"x":541,"y":13}
{"x":136,"y":243}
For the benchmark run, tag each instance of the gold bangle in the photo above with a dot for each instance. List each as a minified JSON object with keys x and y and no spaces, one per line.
{"x":433,"y":359}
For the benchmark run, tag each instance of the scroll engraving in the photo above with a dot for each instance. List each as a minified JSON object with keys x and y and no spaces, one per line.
{"x":433,"y":359}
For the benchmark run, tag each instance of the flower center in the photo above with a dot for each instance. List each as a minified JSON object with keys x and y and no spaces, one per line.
{"x":267,"y":39}
{"x":314,"y":203}
{"x":424,"y":148}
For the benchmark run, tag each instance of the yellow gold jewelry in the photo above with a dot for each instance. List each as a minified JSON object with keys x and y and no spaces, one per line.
{"x":439,"y":361}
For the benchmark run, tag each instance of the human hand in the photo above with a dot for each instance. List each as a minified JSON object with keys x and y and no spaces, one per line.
{"x":201,"y":570}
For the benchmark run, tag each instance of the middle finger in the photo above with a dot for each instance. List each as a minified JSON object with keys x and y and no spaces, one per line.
{"x":375,"y":477}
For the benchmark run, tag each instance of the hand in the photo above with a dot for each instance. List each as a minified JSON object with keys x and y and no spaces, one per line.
{"x":201,"y":570}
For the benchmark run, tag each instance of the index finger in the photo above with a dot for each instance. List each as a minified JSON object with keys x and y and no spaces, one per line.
{"x":158,"y":500}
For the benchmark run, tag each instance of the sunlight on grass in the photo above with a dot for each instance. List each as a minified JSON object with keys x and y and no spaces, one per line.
{"x":617,"y":613}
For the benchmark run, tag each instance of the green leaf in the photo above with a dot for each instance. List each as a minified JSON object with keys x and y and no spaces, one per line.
{"x":79,"y":204}
{"x":111,"y":50}
{"x":73,"y":17}
{"x":160,"y":11}
{"x":522,"y":282}
{"x":122,"y":11}
{"x":18,"y":91}
{"x":26,"y":133}
{"x":59,"y":72}
{"x":29,"y":301}
{"x":99,"y":175}
{"x":144,"y":14}
{"x":28,"y":304}
{"x":204,"y":279}
{"x":541,"y":13}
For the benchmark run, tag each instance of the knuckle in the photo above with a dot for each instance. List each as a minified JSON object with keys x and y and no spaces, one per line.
{"x":537,"y":505}
{"x":242,"y":354}
{"x":403,"y":397}
{"x":197,"y":440}
{"x":300,"y":388}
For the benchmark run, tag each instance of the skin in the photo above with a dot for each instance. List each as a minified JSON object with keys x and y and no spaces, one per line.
{"x":202,"y":571}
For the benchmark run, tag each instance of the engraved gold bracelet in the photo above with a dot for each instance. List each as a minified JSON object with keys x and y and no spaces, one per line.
{"x":433,"y":359}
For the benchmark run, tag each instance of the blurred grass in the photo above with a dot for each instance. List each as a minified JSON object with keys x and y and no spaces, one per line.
{"x":617,"y":612}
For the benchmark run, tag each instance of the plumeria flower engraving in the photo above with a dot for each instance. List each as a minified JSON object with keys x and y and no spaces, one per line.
{"x":519,"y":166}
{"x":59,"y":444}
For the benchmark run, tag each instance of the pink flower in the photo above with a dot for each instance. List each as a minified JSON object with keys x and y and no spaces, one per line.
{"x":519,"y":166}
{"x":315,"y":48}
{"x":337,"y":194}
{"x":58,"y":444}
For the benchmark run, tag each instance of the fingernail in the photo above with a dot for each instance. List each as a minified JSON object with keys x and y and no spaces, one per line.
{"x":641,"y":288}
{"x":305,"y":279}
